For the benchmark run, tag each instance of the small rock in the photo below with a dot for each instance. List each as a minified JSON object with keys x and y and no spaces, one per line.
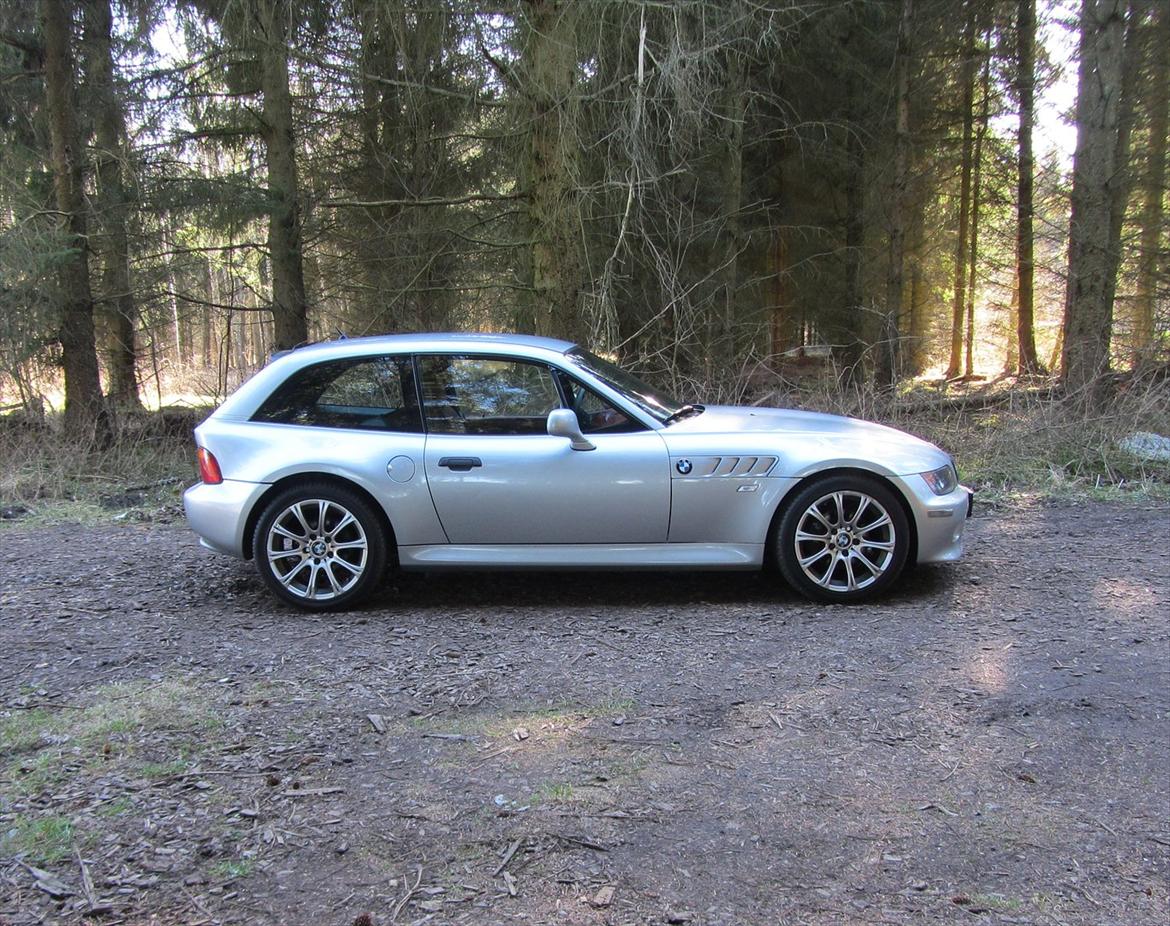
{"x":680,"y":916}
{"x":1146,"y":446}
{"x":520,"y":733}
{"x":604,"y":896}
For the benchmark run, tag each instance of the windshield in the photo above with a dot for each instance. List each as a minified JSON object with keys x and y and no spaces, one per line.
{"x":654,"y":403}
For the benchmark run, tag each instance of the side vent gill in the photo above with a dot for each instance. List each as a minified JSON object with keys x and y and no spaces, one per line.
{"x":708,"y":467}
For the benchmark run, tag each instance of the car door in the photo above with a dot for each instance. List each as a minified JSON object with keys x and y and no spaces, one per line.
{"x":497,"y":477}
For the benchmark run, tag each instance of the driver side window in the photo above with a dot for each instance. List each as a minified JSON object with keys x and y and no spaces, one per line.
{"x":486,"y":395}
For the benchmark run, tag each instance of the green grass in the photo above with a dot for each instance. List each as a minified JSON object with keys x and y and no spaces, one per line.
{"x":157,"y":771}
{"x":231,"y":869}
{"x":115,"y":808}
{"x":40,"y":840}
{"x":553,"y":792}
{"x":44,"y":747}
{"x":24,"y":731}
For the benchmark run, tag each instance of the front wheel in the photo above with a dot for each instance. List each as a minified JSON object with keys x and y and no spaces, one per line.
{"x":320,"y":547}
{"x":842,"y":538}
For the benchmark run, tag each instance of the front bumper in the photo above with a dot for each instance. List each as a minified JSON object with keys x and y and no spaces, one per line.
{"x":939,"y":519}
{"x":219,"y":513}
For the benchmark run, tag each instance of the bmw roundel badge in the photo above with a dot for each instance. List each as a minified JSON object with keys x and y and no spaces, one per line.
{"x":683,"y":466}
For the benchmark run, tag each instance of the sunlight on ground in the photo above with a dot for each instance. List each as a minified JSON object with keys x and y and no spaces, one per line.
{"x":1126,"y":598}
{"x":991,"y":670}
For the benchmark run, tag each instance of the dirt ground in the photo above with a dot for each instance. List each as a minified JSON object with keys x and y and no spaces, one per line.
{"x":990,"y":744}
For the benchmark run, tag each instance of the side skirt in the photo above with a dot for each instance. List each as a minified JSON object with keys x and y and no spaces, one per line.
{"x":583,"y":556}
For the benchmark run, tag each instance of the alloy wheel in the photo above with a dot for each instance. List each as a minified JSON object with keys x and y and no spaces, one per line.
{"x":317,"y":549}
{"x":845,"y":541}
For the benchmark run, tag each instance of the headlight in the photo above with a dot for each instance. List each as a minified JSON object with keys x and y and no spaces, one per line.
{"x":943,"y":480}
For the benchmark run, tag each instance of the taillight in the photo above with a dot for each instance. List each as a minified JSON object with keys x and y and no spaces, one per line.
{"x":208,"y":467}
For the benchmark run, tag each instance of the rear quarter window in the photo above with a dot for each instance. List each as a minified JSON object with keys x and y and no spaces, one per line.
{"x":362,"y":393}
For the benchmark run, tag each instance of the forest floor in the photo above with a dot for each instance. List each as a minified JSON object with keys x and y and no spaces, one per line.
{"x":990,"y":744}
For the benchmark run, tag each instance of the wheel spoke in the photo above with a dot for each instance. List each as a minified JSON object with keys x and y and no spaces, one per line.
{"x":353,"y":569}
{"x":886,"y":545}
{"x":299,"y":514}
{"x":314,"y":575}
{"x":327,"y":568}
{"x":865,"y":503}
{"x":883,"y":521}
{"x":285,"y":532}
{"x":804,"y":536}
{"x":816,"y":513}
{"x":286,"y":579}
{"x":820,"y":554}
{"x":839,"y":501}
{"x":283,"y":554}
{"x":827,"y":577}
{"x":342,"y":524}
{"x":852,"y":580}
{"x":873,"y":567}
{"x":350,"y":545}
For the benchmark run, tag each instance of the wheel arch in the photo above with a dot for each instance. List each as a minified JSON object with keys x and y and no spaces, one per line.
{"x":318,"y":478}
{"x":797,"y":487}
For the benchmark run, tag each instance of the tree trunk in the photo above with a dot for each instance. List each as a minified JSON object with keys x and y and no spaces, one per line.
{"x":1088,"y":314}
{"x":1025,"y":327}
{"x":84,"y":408}
{"x":1153,"y":191}
{"x":550,"y":63}
{"x":889,"y":356}
{"x":1121,"y":182}
{"x":852,"y":328}
{"x":112,"y":206}
{"x":289,"y":307}
{"x":967,"y":80}
{"x":734,"y":109}
{"x":919,"y":326}
{"x":782,"y":324}
{"x":380,"y":121}
{"x":976,"y":194}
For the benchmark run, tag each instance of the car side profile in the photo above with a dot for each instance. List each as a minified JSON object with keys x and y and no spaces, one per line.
{"x":339,"y":460}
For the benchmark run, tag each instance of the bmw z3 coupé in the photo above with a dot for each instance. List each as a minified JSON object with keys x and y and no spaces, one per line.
{"x":505,"y":451}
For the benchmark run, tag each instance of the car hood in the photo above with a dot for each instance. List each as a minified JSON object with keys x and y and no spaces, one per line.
{"x":804,"y":440}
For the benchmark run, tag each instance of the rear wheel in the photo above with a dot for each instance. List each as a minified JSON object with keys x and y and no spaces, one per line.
{"x":842,"y":538}
{"x":320,"y":547}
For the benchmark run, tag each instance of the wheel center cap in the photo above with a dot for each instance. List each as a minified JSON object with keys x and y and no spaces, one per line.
{"x":843,"y":540}
{"x":318,"y":548}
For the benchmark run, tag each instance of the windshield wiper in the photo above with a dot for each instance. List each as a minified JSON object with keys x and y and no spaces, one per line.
{"x":685,"y":412}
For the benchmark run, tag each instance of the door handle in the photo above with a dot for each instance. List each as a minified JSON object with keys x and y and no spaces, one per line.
{"x":460,"y":464}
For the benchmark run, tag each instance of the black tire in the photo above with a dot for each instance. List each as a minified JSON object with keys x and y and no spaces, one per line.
{"x":842,"y":538}
{"x":319,"y":566}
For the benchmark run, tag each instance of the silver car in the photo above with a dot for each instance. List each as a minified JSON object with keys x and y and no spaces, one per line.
{"x":499,"y":451}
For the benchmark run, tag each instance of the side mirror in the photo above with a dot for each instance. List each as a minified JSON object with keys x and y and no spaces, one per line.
{"x":562,"y":422}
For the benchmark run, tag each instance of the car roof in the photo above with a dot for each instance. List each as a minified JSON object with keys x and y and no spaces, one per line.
{"x":444,"y":341}
{"x":247,"y":398}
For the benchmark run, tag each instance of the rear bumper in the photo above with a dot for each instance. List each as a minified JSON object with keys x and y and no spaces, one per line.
{"x":219,"y":513}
